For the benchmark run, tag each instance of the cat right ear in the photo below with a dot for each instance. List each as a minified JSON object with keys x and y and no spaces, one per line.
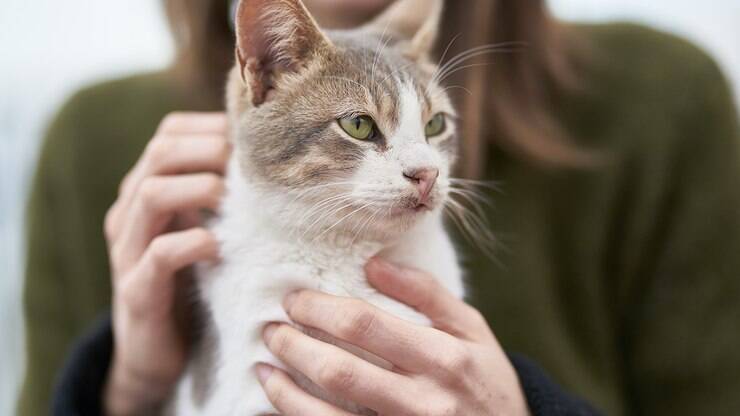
{"x":274,"y":37}
{"x":417,"y":21}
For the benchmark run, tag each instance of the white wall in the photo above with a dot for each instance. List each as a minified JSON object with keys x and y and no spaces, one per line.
{"x":50,"y":48}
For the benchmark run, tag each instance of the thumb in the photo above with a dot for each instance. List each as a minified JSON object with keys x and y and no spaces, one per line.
{"x":421,"y":291}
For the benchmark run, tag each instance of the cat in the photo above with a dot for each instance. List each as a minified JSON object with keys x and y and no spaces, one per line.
{"x":343,"y":147}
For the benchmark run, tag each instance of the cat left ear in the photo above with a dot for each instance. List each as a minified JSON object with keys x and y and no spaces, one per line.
{"x":274,"y":37}
{"x":415,"y":20}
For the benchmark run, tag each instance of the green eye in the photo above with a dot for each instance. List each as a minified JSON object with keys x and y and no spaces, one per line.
{"x":361,"y":127}
{"x":436,"y":125}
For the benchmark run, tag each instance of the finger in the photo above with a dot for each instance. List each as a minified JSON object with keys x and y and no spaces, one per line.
{"x":337,"y":371}
{"x":424,"y":293}
{"x":158,"y":199}
{"x":193,"y":123}
{"x":367,"y":327}
{"x":288,"y":398}
{"x":166,"y":155}
{"x":149,"y":288}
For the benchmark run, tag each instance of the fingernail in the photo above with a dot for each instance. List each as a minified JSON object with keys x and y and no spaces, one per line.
{"x":263,"y":371}
{"x":268,"y":332}
{"x":289,"y":300}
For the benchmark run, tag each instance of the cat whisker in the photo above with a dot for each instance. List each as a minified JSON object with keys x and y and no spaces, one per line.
{"x":382,"y":43}
{"x":342,"y":220}
{"x":447,"y":75}
{"x":452,"y":87}
{"x":331,"y":211}
{"x":471,"y":53}
{"x":365,"y":225}
{"x":447,"y":49}
{"x":322,"y":205}
{"x":464,"y":55}
{"x":474,"y":227}
{"x":299,"y":195}
{"x":397,"y":71}
{"x":474,"y":198}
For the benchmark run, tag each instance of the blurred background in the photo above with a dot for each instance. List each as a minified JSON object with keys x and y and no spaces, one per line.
{"x":52,"y":48}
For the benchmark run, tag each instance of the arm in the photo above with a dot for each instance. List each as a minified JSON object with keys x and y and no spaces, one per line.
{"x":56,"y":267}
{"x":682,"y":339}
{"x":68,"y":281}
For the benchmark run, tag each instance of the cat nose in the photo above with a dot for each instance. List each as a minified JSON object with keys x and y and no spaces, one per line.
{"x":423,"y":180}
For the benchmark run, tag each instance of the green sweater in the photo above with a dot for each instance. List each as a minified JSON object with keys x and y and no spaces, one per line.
{"x":622,"y":281}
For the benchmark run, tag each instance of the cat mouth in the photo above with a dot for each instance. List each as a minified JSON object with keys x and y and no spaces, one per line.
{"x":422,"y":206}
{"x":412,"y":206}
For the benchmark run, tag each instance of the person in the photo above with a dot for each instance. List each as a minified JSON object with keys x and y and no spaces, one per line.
{"x":617,"y":149}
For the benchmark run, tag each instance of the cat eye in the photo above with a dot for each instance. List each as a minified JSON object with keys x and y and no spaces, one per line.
{"x":436,"y":125}
{"x":359,"y":127}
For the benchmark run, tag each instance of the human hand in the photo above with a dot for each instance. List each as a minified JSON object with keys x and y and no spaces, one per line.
{"x":456,"y":367}
{"x":153,"y":230}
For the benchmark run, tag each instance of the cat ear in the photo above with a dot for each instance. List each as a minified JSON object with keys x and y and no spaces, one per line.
{"x":274,"y":37}
{"x":415,"y":20}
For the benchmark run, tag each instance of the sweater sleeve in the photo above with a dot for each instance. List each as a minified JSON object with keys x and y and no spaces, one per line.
{"x":66,"y":283}
{"x":544,"y":396}
{"x":682,"y":339}
{"x":79,"y":388}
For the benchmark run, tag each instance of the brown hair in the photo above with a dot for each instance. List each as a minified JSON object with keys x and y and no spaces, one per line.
{"x":511,"y":108}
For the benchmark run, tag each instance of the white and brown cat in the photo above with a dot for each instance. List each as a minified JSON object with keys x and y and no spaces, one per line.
{"x":343,"y":144}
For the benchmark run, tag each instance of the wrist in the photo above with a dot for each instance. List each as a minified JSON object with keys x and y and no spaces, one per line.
{"x":126,"y":394}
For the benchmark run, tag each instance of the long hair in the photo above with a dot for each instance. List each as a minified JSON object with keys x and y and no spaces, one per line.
{"x":504,"y":98}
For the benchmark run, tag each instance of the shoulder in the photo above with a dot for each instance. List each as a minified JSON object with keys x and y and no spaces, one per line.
{"x":645,"y":54}
{"x":119,"y":99}
{"x":654,"y":88}
{"x":115,"y":115}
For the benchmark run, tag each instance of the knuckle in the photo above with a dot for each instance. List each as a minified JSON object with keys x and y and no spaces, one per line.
{"x":130,"y":294}
{"x":202,"y":237}
{"x":359,"y":325}
{"x":213,"y":184}
{"x":109,"y":225}
{"x":455,"y":361}
{"x":171,"y":121}
{"x":476,"y":317}
{"x":222,"y":149}
{"x":125,"y":184}
{"x":149,"y":191}
{"x":158,"y":149}
{"x":159,"y":254}
{"x":337,"y":375}
{"x":116,"y":255}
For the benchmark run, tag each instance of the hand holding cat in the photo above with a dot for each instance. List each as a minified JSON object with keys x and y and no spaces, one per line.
{"x":455,"y":368}
{"x":153,"y":230}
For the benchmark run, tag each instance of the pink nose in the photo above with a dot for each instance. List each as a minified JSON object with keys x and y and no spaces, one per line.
{"x":423,"y":180}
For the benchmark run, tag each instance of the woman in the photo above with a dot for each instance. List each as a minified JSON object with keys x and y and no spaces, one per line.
{"x":618,"y":152}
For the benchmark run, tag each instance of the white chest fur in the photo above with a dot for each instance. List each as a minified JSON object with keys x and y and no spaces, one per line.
{"x":261,"y":263}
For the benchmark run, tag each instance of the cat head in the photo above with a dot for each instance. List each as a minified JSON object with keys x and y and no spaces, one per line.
{"x":347,"y":130}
